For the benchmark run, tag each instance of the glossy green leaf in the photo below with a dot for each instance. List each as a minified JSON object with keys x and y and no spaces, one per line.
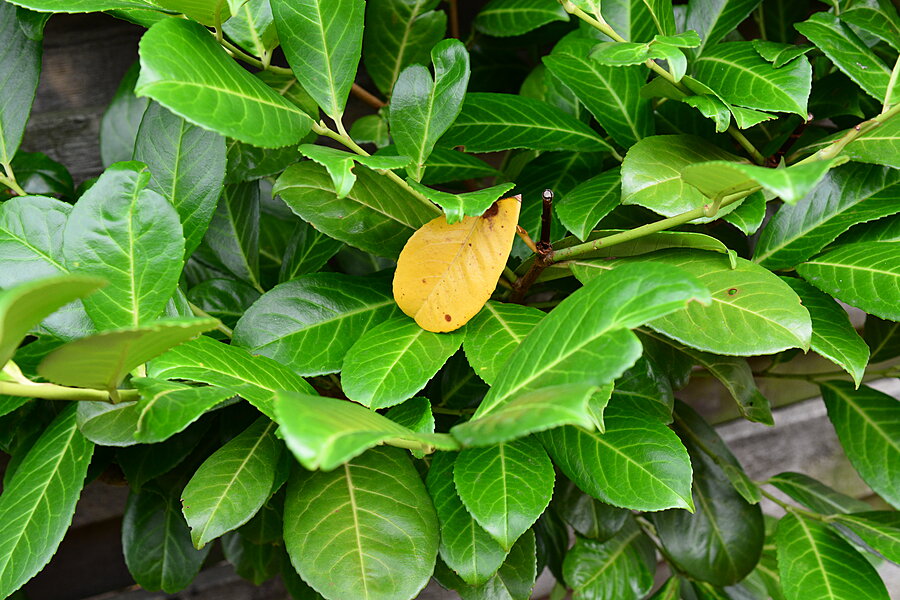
{"x":833,"y":335}
{"x":505,"y":487}
{"x":620,"y":568}
{"x":371,"y":129}
{"x":376,"y":216}
{"x":118,"y":230}
{"x":578,"y":344}
{"x":20,"y":68}
{"x":494,"y":333}
{"x":339,"y":164}
{"x":538,"y":410}
{"x":638,"y":463}
{"x":620,"y":54}
{"x":489,"y":122}
{"x":204,"y":360}
{"x":103,"y":360}
{"x":848,"y":53}
{"x":307,"y":252}
{"x":749,"y":215}
{"x":327,"y":313}
{"x":846,"y":196}
{"x":399,"y":33}
{"x":232,"y":484}
{"x":167,"y":407}
{"x":212,"y":90}
{"x":446,"y":165}
{"x":324,"y":433}
{"x":392,"y":361}
{"x":257,"y":563}
{"x":611,"y":94}
{"x":670,"y":590}
{"x":878,"y":145}
{"x":651,"y":172}
{"x":422,"y":108}
{"x":156,"y":540}
{"x":879,"y":18}
{"x":252,"y":26}
{"x":714,"y":19}
{"x":816,"y":495}
{"x":366,"y":530}
{"x":231,"y":243}
{"x":26,"y":305}
{"x":588,"y":516}
{"x":879,"y":529}
{"x":457,"y":206}
{"x":145,"y":462}
{"x":742,"y":77}
{"x":121,"y":121}
{"x":646,"y":386}
{"x":187,"y":166}
{"x":37,"y":173}
{"x":814,"y":562}
{"x":504,"y":18}
{"x":38,"y":501}
{"x":882,"y":337}
{"x":713,"y":108}
{"x":322,"y":40}
{"x":513,"y":581}
{"x":865,"y":275}
{"x":582,"y":208}
{"x":868,"y":428}
{"x":779,"y":54}
{"x":202,"y":11}
{"x":223,"y":299}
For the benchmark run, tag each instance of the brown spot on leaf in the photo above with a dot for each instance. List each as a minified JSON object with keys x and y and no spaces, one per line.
{"x":492,"y":211}
{"x":448,"y":318}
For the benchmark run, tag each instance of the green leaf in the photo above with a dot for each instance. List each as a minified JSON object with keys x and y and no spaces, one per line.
{"x":253,"y":27}
{"x":864,"y":275}
{"x":578,"y":344}
{"x":291,"y":321}
{"x":118,"y":230}
{"x":212,"y":90}
{"x":538,"y":410}
{"x":638,"y":463}
{"x":457,"y":206}
{"x":324,"y":433}
{"x":879,"y":18}
{"x":713,"y":108}
{"x":846,"y":196}
{"x":749,"y":215}
{"x":718,"y":178}
{"x":714,"y":19}
{"x":741,"y":76}
{"x":504,"y":18}
{"x":611,"y":94}
{"x":207,"y":12}
{"x":879,"y":529}
{"x":392,"y":361}
{"x":339,"y":164}
{"x":37,"y":173}
{"x":156,"y":540}
{"x":494,"y":333}
{"x":38,"y":501}
{"x":103,"y":360}
{"x":587,"y":516}
{"x":490,"y":122}
{"x":513,"y":581}
{"x":307,"y":252}
{"x":582,"y":208}
{"x":145,"y":462}
{"x":231,"y":243}
{"x":646,"y":385}
{"x":20,"y":68}
{"x":833,"y":335}
{"x":848,"y":53}
{"x":167,"y":407}
{"x":371,"y":129}
{"x":651,"y":172}
{"x":422,"y":109}
{"x":376,"y":216}
{"x":187,"y":166}
{"x":882,"y":337}
{"x":121,"y":121}
{"x":670,"y":590}
{"x":868,"y":428}
{"x":24,"y":306}
{"x":465,"y":546}
{"x":620,"y":54}
{"x":779,"y":54}
{"x":204,"y":360}
{"x":620,"y":568}
{"x":815,"y":563}
{"x":232,"y":484}
{"x":257,"y":563}
{"x":878,"y":145}
{"x":343,"y":529}
{"x":399,"y":33}
{"x":322,"y":40}
{"x":223,"y":299}
{"x":721,"y":542}
{"x":505,"y":487}
{"x":815,"y":495}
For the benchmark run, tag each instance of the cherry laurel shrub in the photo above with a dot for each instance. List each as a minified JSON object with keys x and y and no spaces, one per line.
{"x":217,"y":316}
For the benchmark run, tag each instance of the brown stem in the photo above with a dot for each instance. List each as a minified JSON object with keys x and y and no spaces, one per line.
{"x":546,"y":216}
{"x":454,"y":18}
{"x":367,"y":96}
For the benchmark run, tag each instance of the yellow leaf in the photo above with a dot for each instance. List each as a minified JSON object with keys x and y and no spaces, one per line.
{"x":446,"y":273}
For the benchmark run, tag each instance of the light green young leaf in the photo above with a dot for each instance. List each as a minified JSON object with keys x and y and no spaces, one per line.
{"x":505,"y":487}
{"x":848,"y":53}
{"x":20,"y":68}
{"x":814,"y":562}
{"x":879,"y":529}
{"x":339,"y":164}
{"x":505,"y":18}
{"x":494,"y":333}
{"x":869,"y":430}
{"x":620,"y":54}
{"x":749,"y":215}
{"x":777,"y":53}
{"x":211,"y":89}
{"x":879,"y":18}
{"x":118,"y":230}
{"x":103,"y":360}
{"x":322,"y":40}
{"x":582,"y":208}
{"x":38,"y":501}
{"x":371,"y":129}
{"x":471,"y":204}
{"x":202,"y":11}
{"x":422,"y":109}
{"x":167,"y":407}
{"x":232,"y":484}
{"x":252,"y":27}
{"x":621,"y":568}
{"x":341,"y":528}
{"x":714,"y":19}
{"x":711,"y":107}
{"x":392,"y":361}
{"x":324,"y":433}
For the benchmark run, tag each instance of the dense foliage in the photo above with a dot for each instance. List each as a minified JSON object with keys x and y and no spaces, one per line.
{"x":214,"y":316}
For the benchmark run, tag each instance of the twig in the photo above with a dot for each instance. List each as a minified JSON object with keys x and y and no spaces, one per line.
{"x":543,"y":252}
{"x":199,"y":312}
{"x":546,"y":216}
{"x":51,"y":391}
{"x":523,"y":235}
{"x":367,"y":96}
{"x":9,"y":180}
{"x":454,"y":18}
